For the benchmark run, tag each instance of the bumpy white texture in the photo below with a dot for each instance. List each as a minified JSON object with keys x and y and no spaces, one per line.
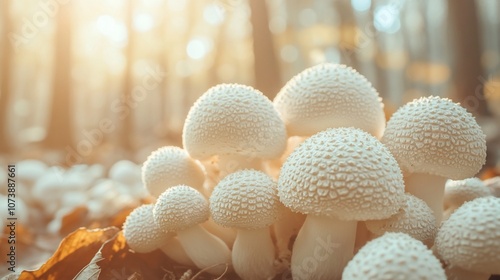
{"x":457,"y":192}
{"x":141,"y":232}
{"x":170,"y":166}
{"x":436,"y":136}
{"x":394,"y":256}
{"x":233,"y":119}
{"x":470,"y":238}
{"x":415,"y":219}
{"x":245,"y":199}
{"x":179,"y":208}
{"x":329,"y":96}
{"x":344,"y":173}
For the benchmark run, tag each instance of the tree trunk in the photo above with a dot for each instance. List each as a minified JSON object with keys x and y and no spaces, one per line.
{"x":5,"y":78}
{"x":59,"y":134}
{"x":266,"y":68}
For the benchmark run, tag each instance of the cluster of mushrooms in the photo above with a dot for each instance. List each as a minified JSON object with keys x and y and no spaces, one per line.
{"x":316,"y":185}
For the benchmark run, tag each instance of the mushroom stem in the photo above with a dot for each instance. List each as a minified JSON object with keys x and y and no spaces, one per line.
{"x":204,"y":248}
{"x":253,"y":254}
{"x":363,"y":235}
{"x":429,"y":188}
{"x":228,"y":235}
{"x":323,"y":248}
{"x":287,"y":226}
{"x":174,"y":250}
{"x":231,"y":163}
{"x":458,"y":273}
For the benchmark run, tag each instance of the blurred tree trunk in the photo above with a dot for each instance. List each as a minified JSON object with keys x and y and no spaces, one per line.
{"x":266,"y":68}
{"x":127,"y":125}
{"x":5,"y":78}
{"x":465,"y":25}
{"x":59,"y":134}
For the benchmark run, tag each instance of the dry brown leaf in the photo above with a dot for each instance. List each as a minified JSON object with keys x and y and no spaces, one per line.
{"x":74,"y":252}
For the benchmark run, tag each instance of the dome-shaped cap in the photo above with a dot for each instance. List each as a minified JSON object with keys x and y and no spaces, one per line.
{"x":246,"y":199}
{"x":342,"y":172}
{"x":179,"y":208}
{"x":141,"y":232}
{"x":329,"y":96}
{"x":233,"y":119}
{"x":394,"y":256}
{"x":470,"y":238}
{"x":436,"y":136}
{"x":415,"y":219}
{"x":457,"y":192}
{"x":170,"y":166}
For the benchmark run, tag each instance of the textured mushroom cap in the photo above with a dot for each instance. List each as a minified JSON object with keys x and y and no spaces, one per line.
{"x":246,"y":199}
{"x":179,"y":208}
{"x":494,"y":185}
{"x":436,"y":136}
{"x":232,"y":119}
{"x":457,"y":192}
{"x":141,"y":232}
{"x":394,"y":256}
{"x":342,"y":172}
{"x":415,"y":219}
{"x":470,"y":238}
{"x":171,"y":166}
{"x":125,"y":172}
{"x":329,"y":96}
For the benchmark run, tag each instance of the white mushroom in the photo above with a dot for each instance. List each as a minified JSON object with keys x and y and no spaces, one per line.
{"x":394,"y":256}
{"x":182,"y":209}
{"x":434,"y":139}
{"x":248,"y":201}
{"x":470,"y":238}
{"x":238,"y":124}
{"x":329,"y":96}
{"x":494,"y":185}
{"x":337,"y":177}
{"x":457,"y":192}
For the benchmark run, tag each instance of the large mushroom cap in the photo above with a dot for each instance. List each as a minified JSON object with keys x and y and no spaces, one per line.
{"x":457,"y":192}
{"x":245,"y":199}
{"x":232,"y":119}
{"x":179,"y":208}
{"x":141,"y":232}
{"x":470,"y":238}
{"x":415,"y":219}
{"x":342,"y":172}
{"x":170,"y":166}
{"x":394,"y":256}
{"x":436,"y":136}
{"x":329,"y":96}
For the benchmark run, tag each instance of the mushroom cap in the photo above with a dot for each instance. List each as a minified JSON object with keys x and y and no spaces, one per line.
{"x":415,"y":219}
{"x":457,"y":192}
{"x":394,"y":255}
{"x":233,"y":119}
{"x":125,"y":172}
{"x":436,"y":136}
{"x":470,"y":238}
{"x":246,"y":199}
{"x":141,"y":232}
{"x":30,"y":170}
{"x":171,"y":166}
{"x":179,"y":208}
{"x":329,"y":96}
{"x":344,"y":173}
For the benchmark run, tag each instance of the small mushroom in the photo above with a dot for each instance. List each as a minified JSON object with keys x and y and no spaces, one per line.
{"x":248,"y":201}
{"x":457,"y":192}
{"x":337,"y":177}
{"x":394,"y":256}
{"x":182,"y":209}
{"x":470,"y":238}
{"x":238,"y":124}
{"x":329,"y":96}
{"x":434,"y":139}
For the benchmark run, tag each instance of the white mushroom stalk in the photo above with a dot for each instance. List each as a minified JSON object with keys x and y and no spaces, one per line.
{"x":182,"y":209}
{"x":394,"y":256}
{"x":470,"y":238}
{"x":457,"y":192}
{"x":238,"y":124}
{"x":247,"y":200}
{"x":434,"y":139}
{"x":337,"y":177}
